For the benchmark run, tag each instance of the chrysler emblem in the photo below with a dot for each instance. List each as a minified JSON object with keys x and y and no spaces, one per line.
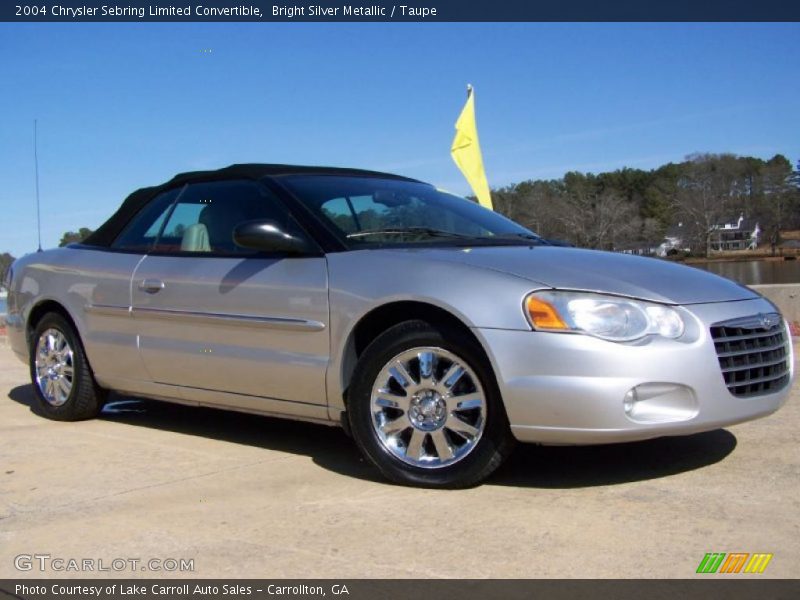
{"x":768,"y":321}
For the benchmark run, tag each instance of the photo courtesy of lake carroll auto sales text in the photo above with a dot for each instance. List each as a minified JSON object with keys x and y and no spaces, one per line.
{"x":176,"y":590}
{"x":436,"y":299}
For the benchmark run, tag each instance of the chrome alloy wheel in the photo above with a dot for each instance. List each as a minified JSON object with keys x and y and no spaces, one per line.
{"x":55,"y":370}
{"x":428,"y":407}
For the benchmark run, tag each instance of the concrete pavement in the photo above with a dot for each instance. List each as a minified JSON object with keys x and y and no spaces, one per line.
{"x":246,"y":496}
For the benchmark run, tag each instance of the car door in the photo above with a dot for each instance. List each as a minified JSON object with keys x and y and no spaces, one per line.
{"x":225,"y":324}
{"x":102,"y":278}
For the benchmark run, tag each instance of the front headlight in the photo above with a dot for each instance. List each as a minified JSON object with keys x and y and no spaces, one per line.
{"x":607,"y":317}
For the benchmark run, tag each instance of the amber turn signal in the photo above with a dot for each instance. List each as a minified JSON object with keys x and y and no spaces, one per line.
{"x":543,"y":314}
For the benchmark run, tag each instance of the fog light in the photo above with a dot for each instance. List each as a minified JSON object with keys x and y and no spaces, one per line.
{"x":660,"y":403}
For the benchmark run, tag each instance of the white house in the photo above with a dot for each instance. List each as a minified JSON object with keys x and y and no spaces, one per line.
{"x":736,"y":234}
{"x":730,"y":234}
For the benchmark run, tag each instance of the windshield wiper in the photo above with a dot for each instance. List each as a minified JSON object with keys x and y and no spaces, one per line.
{"x":408,"y":230}
{"x":521,"y":236}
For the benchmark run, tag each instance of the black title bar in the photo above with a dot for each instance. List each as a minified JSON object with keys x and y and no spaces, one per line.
{"x":407,"y":11}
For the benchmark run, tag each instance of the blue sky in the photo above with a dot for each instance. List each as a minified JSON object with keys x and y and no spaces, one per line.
{"x":126,"y":105}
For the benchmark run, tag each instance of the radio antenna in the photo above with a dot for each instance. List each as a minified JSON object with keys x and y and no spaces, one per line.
{"x":36,"y":167}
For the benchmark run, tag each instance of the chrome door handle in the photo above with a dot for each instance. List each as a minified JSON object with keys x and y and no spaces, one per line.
{"x":151,"y":286}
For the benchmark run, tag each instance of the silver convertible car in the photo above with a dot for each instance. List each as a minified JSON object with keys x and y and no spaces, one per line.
{"x":433,"y":330}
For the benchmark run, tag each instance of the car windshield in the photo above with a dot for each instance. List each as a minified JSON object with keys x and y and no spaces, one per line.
{"x":369,"y":211}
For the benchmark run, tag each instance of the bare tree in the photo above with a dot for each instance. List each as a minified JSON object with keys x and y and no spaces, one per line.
{"x":604,"y":221}
{"x":708,"y":192}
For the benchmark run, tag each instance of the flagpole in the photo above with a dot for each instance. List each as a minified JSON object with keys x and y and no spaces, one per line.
{"x":36,"y":168}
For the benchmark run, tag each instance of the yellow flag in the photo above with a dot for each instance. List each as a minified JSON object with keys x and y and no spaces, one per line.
{"x":466,"y":151}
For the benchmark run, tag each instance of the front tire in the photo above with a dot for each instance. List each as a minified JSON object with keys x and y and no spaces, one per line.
{"x":424,"y":407}
{"x":63,"y":384}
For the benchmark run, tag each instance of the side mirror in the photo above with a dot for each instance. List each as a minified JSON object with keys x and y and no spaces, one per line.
{"x":268,"y":236}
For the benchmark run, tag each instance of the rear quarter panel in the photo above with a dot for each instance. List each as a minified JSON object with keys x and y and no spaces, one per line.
{"x":77,"y":278}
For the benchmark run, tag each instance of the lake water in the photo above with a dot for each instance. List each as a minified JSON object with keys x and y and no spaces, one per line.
{"x":755,"y":272}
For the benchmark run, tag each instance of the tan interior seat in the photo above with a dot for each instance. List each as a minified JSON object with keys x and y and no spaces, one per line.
{"x":195,"y":239}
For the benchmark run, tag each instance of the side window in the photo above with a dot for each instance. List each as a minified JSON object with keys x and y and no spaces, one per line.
{"x":141,"y":233}
{"x":206,"y":214}
{"x":182,"y":218}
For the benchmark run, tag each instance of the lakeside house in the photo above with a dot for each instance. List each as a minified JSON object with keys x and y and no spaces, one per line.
{"x":736,"y":234}
{"x":729,"y":234}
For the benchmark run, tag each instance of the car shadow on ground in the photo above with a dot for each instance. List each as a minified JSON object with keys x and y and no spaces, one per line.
{"x":553,"y":467}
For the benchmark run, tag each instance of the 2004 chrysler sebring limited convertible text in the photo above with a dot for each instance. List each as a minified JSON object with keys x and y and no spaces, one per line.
{"x":436,"y":331}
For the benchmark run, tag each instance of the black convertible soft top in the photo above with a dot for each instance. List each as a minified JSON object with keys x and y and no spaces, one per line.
{"x":108,"y":231}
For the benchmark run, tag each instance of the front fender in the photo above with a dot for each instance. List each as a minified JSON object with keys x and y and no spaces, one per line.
{"x":362,"y":281}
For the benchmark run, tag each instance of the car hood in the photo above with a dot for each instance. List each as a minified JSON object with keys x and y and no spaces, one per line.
{"x":592,"y":270}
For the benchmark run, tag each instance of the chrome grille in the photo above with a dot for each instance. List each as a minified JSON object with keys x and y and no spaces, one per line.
{"x":753,"y":354}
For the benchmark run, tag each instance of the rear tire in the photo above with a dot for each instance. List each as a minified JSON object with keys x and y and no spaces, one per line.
{"x":63,"y":384}
{"x":425,"y":408}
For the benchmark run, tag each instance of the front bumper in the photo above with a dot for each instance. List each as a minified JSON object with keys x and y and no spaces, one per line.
{"x":572,"y":389}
